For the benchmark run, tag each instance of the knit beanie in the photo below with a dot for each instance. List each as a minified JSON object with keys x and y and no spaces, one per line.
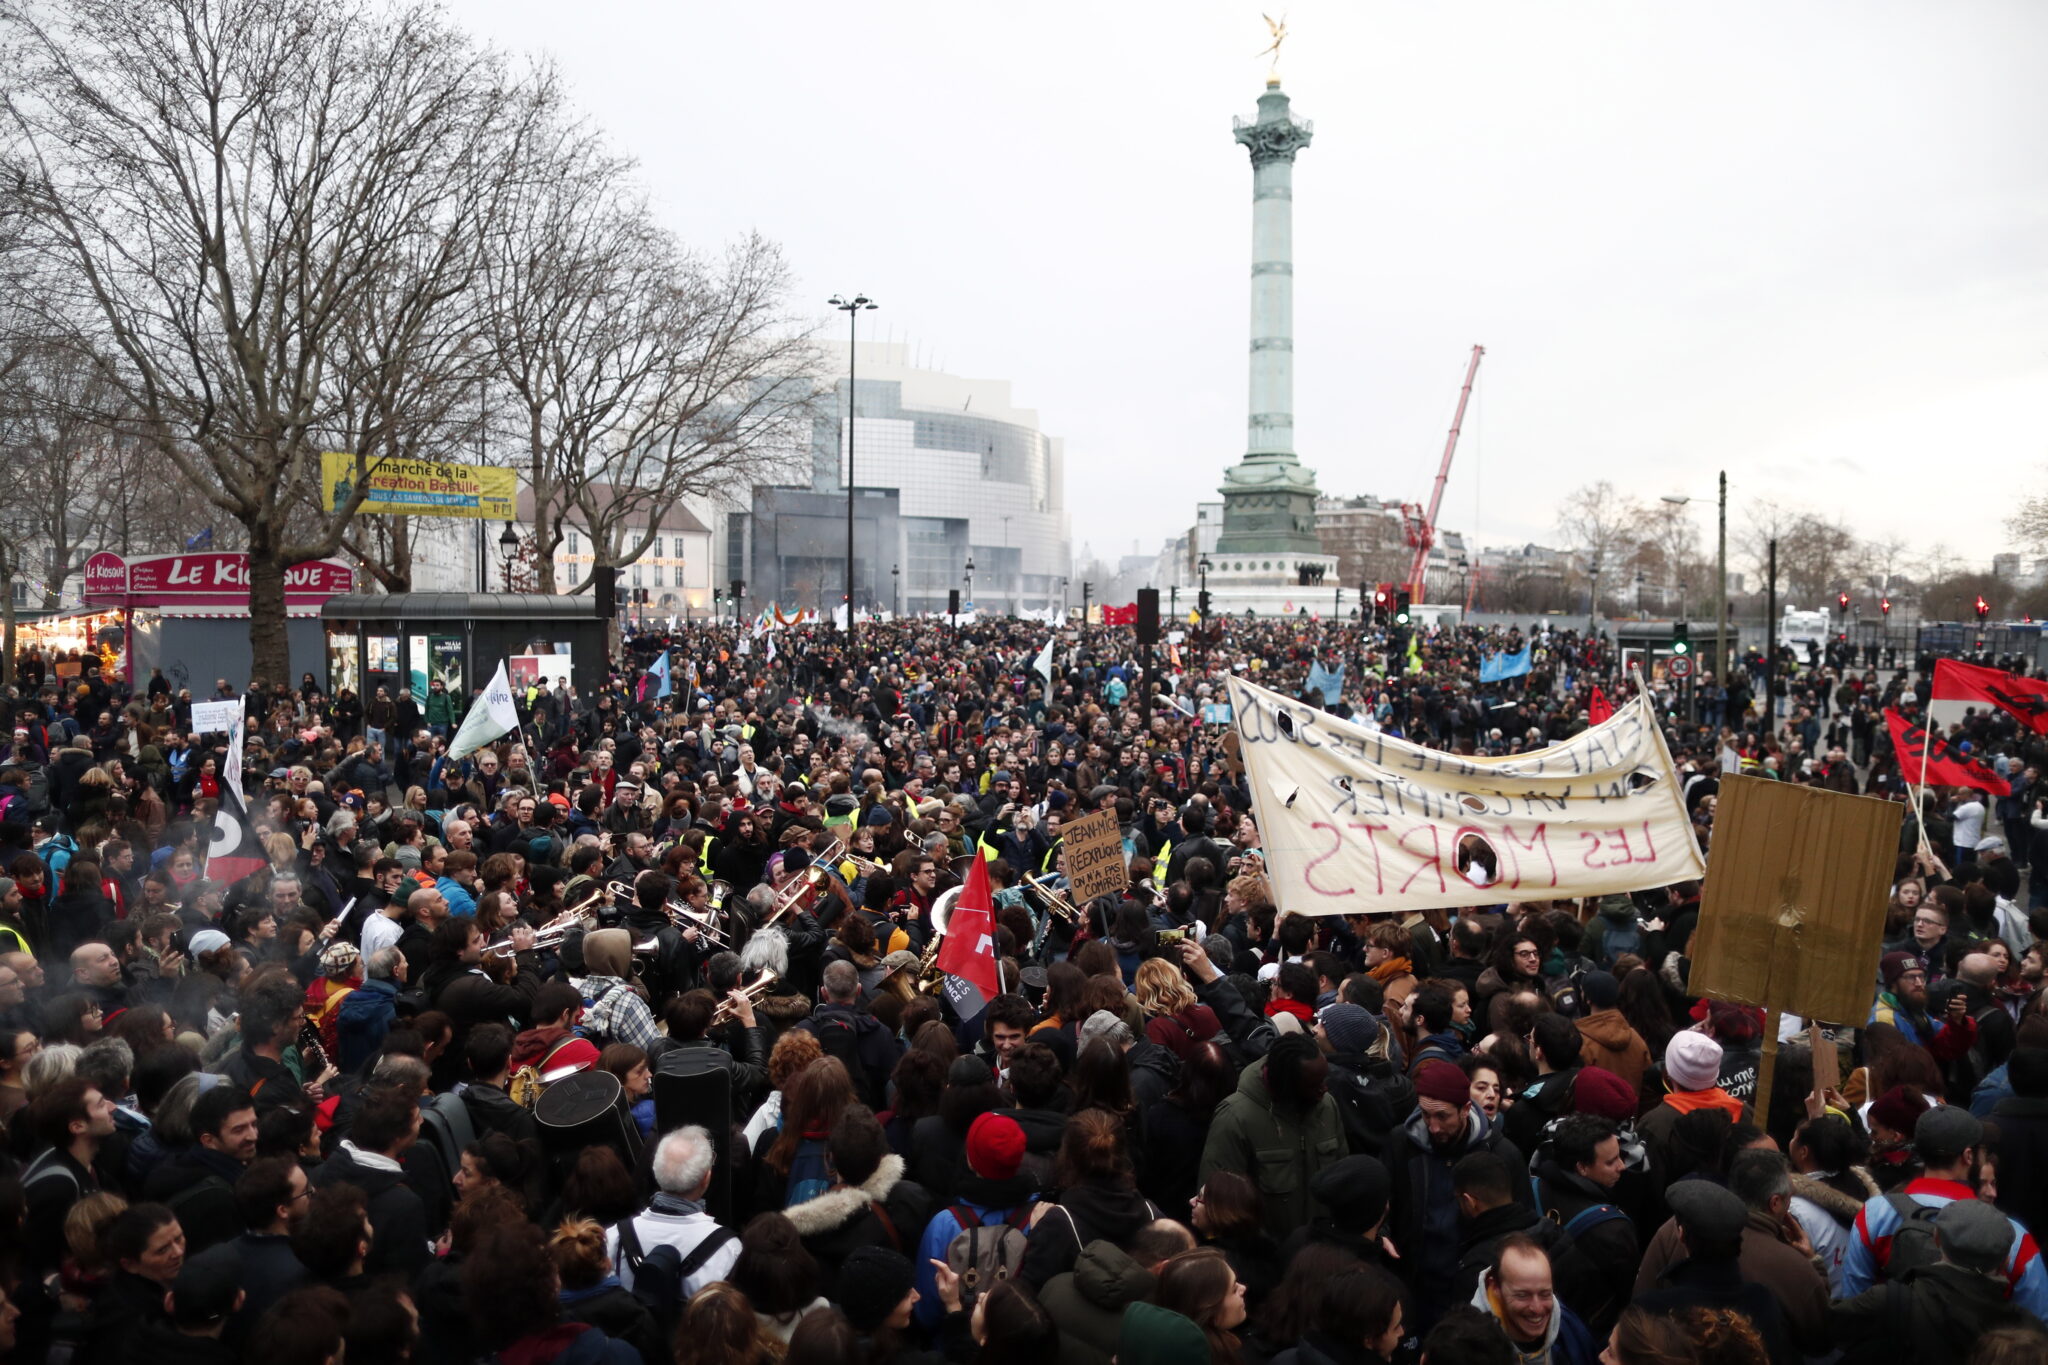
{"x":1351,"y":1028}
{"x":872,"y":1281}
{"x":1599,"y":1091}
{"x":1444,"y":1083}
{"x":1151,"y":1335}
{"x":1692,"y":1062}
{"x":995,"y":1146}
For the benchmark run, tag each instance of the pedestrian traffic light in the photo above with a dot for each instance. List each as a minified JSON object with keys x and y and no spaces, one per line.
{"x":1842,"y":600}
{"x":1884,"y":604}
{"x":1983,"y":607}
{"x":1402,"y":600}
{"x":1681,"y":637}
{"x":1202,"y":603}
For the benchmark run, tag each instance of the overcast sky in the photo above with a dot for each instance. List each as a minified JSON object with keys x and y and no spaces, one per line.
{"x":1804,"y":242}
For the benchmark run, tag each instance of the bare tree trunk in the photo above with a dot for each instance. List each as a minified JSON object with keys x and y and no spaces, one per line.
{"x":269,"y":645}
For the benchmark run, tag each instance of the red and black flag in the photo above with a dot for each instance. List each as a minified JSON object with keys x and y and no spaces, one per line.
{"x":1932,"y":762}
{"x":232,"y":851}
{"x":2024,"y":698}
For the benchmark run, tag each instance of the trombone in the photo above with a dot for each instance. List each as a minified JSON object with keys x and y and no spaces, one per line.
{"x":802,"y":891}
{"x":755,"y":991}
{"x":682,"y":915}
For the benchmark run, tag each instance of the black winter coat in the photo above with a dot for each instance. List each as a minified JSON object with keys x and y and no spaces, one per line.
{"x":398,"y":1219}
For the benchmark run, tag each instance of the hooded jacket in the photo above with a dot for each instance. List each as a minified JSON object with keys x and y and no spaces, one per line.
{"x":1087,"y":1303}
{"x":1373,"y":1099}
{"x":1932,"y":1316}
{"x":1606,"y":1040}
{"x":1611,"y":1245}
{"x":1422,"y":1209}
{"x":1280,"y":1151}
{"x":398,"y":1218}
{"x":1083,"y":1214}
{"x":1566,"y":1342}
{"x":885,"y":1210}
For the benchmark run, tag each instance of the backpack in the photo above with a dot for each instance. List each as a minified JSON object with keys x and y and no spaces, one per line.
{"x":1913,"y":1239}
{"x":838,"y":1037}
{"x":1580,"y":1223}
{"x":1617,"y":941}
{"x":658,"y":1275}
{"x":809,"y":1174}
{"x":984,"y":1261}
{"x":446,"y":1122}
{"x":600,"y":1015}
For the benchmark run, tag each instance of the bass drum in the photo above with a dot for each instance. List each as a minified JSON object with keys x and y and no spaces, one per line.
{"x":587,"y":1108}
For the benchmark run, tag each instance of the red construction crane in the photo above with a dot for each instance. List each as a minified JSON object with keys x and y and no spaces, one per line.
{"x":1421,"y":527}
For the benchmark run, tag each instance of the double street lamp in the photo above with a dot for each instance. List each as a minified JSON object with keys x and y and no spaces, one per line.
{"x":853,"y":308}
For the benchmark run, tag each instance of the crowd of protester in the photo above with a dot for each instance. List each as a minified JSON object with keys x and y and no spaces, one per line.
{"x":618,"y":1039}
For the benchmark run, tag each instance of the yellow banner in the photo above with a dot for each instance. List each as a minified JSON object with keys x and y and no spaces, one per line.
{"x":421,"y":488}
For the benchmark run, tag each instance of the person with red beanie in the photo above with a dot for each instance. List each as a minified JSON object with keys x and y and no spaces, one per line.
{"x":994,"y":1194}
{"x":1423,"y":1212}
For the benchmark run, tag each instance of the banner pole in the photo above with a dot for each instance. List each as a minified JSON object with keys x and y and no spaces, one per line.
{"x":1920,"y":793}
{"x":1766,"y":1070}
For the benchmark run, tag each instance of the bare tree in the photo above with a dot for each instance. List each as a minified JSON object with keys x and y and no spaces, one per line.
{"x":2029,"y":523}
{"x":1602,"y":525}
{"x":1816,"y":557}
{"x":231,"y":194}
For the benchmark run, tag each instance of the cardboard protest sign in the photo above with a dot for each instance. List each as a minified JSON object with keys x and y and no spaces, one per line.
{"x":1358,"y":821}
{"x":1792,"y":913}
{"x":1092,"y":856}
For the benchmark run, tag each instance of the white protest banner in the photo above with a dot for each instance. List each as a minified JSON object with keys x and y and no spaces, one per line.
{"x":1356,"y":821}
{"x":216,"y":717}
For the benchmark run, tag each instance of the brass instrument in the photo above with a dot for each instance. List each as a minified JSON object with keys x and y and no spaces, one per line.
{"x":1052,"y":898}
{"x":755,"y":991}
{"x":929,"y":978}
{"x":683,"y":915}
{"x":867,"y":867}
{"x":803,"y":890}
{"x":555,"y":932}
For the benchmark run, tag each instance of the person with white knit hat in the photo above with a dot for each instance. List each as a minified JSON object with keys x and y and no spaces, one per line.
{"x":1692,"y":1072}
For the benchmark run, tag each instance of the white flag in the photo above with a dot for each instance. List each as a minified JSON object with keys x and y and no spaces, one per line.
{"x":493,"y":714}
{"x":232,"y":774}
{"x":1043,"y":663}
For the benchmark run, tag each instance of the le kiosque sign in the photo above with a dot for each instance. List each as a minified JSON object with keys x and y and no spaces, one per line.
{"x":1355,"y":821}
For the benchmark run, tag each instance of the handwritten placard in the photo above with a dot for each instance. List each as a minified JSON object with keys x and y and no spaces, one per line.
{"x":1092,"y":856}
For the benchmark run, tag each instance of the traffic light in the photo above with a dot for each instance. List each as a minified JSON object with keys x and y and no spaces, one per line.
{"x":1884,"y":604}
{"x":1983,"y":608}
{"x":1681,"y":637}
{"x":1401,"y":603}
{"x":1202,"y":603}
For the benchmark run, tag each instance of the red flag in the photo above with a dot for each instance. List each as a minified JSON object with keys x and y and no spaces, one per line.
{"x":968,"y":955}
{"x":1599,"y":708}
{"x":1126,"y":615}
{"x":2025,"y":698}
{"x":1944,"y":766}
{"x":232,"y":851}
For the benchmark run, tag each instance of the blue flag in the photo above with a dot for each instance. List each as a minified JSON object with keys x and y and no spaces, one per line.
{"x":1500,"y":667}
{"x":659,"y":672}
{"x":1326,"y":682}
{"x":200,"y":541}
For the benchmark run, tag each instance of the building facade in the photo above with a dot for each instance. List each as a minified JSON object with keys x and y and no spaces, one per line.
{"x":947,"y":472}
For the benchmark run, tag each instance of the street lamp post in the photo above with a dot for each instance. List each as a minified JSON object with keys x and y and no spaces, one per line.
{"x":1010,"y":597}
{"x":1720,"y":576}
{"x":1202,"y":568}
{"x":853,"y":308}
{"x":970,"y":579}
{"x":896,"y":588}
{"x":1593,"y":598}
{"x":509,"y":544}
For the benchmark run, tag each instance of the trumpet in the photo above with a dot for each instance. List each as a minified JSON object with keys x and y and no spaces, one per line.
{"x":755,"y":991}
{"x":551,"y":935}
{"x":1054,"y":901}
{"x":803,"y":890}
{"x":867,"y":867}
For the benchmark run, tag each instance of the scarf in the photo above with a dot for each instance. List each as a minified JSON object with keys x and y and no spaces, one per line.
{"x":1283,"y":1005}
{"x":1389,"y":970}
{"x":1691,"y":1101}
{"x":673,"y":1204}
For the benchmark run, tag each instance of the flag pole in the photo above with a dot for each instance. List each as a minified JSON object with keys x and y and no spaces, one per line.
{"x":1920,"y":794}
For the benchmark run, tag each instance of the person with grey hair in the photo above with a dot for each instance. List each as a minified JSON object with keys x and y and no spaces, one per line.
{"x":368,"y":1012}
{"x":1774,"y":1254}
{"x":675,"y":1217}
{"x":854,"y":1036}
